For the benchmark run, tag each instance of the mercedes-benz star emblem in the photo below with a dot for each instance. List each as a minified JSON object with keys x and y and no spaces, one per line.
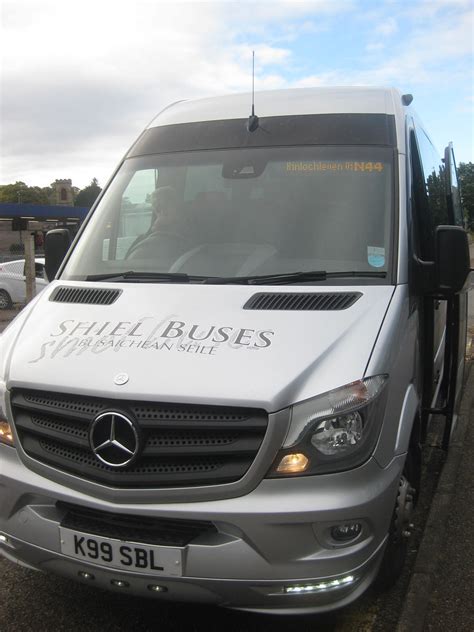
{"x":114,"y":439}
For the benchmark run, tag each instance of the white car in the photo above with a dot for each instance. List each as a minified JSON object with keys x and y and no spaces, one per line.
{"x":13,"y":281}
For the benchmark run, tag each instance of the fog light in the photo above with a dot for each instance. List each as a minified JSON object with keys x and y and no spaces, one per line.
{"x":4,"y":539}
{"x":6,"y":435}
{"x":345,"y":532}
{"x":119,"y":583}
{"x":156,"y":588}
{"x":293,"y":463}
{"x":85,"y":575}
{"x":319,"y":587}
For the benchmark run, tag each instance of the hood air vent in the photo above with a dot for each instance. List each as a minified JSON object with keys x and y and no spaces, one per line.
{"x":327,"y":301}
{"x":85,"y":295}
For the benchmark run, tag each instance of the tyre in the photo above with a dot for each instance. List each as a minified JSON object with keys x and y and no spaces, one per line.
{"x":5,"y":300}
{"x":396,"y":550}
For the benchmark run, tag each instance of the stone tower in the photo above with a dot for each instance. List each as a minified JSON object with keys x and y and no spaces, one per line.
{"x":63,"y":192}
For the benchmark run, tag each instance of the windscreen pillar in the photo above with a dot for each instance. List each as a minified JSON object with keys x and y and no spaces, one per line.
{"x":30,"y":272}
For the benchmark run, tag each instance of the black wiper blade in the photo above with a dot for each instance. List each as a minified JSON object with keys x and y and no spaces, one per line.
{"x":131,"y":275}
{"x":379,"y":274}
{"x":262,"y":279}
{"x":286,"y":277}
{"x":293,"y":277}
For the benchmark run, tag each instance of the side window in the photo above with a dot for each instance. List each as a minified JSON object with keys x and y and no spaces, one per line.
{"x":422,"y":217}
{"x":135,"y":213}
{"x":429,"y":192}
{"x":39,"y":270}
{"x":135,"y":207}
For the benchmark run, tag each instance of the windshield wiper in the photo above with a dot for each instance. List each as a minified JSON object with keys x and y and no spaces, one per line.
{"x":380,"y":274}
{"x":292,"y":277}
{"x":286,"y":277}
{"x":172,"y":277}
{"x":262,"y":279}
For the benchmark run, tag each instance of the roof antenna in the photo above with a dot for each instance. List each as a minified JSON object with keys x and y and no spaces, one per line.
{"x":252,"y":124}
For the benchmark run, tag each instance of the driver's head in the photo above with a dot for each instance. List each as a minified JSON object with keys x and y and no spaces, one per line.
{"x":163,"y":201}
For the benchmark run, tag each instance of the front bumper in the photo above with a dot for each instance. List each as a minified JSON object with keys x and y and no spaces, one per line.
{"x":274,"y":537}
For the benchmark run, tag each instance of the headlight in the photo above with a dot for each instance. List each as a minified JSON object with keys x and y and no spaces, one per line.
{"x":6,"y":435}
{"x":334,"y":431}
{"x":338,"y":434}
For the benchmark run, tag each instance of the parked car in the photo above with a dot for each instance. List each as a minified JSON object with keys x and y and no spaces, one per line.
{"x":13,"y":281}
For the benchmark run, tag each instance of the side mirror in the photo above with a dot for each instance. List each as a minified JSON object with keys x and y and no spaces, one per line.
{"x":452,"y":264}
{"x":56,"y":245}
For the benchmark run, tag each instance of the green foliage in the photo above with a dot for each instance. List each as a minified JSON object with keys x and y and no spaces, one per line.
{"x":20,"y":193}
{"x":466,"y":180}
{"x":436,"y":188}
{"x":88,"y":195}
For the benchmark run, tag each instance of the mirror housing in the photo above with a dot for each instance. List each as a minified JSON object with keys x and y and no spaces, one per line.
{"x":56,"y":245}
{"x":447,"y":275}
{"x":453,"y":263}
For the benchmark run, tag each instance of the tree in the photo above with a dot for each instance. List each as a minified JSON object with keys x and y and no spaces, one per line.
{"x":466,"y":180}
{"x":20,"y":193}
{"x":88,"y":195}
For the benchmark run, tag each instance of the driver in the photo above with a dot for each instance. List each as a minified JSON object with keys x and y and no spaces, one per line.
{"x":164,"y":216}
{"x":164,"y":203}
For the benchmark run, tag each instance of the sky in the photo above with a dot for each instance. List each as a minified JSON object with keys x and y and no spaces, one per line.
{"x":80,"y":79}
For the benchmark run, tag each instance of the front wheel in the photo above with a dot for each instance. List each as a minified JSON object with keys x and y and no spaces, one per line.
{"x":396,"y":550}
{"x":5,"y":300}
{"x":395,"y":553}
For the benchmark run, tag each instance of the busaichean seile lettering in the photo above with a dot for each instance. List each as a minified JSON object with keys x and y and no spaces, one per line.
{"x":75,"y":337}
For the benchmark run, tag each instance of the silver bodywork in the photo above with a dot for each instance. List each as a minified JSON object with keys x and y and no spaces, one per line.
{"x":271,"y":533}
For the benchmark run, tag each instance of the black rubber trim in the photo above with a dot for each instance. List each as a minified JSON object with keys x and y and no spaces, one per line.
{"x":165,"y":531}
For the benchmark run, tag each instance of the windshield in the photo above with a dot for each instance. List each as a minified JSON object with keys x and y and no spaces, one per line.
{"x":238,"y":212}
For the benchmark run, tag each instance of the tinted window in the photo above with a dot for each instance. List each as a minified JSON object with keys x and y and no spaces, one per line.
{"x":244,"y":212}
{"x":429,"y":191}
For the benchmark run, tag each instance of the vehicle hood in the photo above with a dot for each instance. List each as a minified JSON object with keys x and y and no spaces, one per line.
{"x":192,"y":343}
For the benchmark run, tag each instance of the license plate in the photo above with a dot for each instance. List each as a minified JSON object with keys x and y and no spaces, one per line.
{"x":130,"y":556}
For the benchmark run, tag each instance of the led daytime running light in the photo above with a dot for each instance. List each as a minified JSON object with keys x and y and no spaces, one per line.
{"x":321,"y":586}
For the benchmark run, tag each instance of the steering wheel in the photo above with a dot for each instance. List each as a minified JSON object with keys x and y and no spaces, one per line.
{"x":172,"y":243}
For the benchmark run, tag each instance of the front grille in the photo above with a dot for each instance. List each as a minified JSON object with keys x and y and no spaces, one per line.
{"x":182,"y":445}
{"x":164,"y":531}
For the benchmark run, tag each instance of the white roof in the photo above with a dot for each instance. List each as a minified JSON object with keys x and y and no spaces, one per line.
{"x":354,"y":100}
